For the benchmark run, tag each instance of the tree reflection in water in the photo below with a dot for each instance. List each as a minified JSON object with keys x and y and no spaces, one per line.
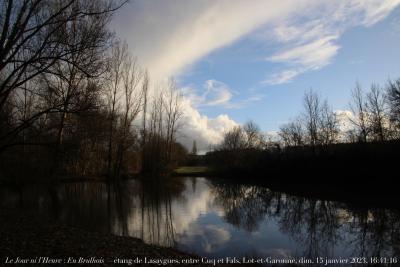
{"x":156,"y":219}
{"x":376,"y":232}
{"x":151,"y":209}
{"x":245,"y":206}
{"x":139,"y":208}
{"x":314,"y":223}
{"x":318,"y":225}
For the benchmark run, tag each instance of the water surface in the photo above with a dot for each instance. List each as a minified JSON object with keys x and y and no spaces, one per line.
{"x":212,"y":218}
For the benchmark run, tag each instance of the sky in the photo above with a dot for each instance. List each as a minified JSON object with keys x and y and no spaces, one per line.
{"x":241,"y":60}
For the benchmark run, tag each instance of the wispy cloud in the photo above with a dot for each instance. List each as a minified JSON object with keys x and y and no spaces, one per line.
{"x":310,"y":39}
{"x":310,"y":56}
{"x":219,"y":91}
{"x":169,"y":36}
{"x":395,"y":25}
{"x":313,"y":55}
{"x":284,"y":76}
{"x":246,"y":101}
{"x":215,"y":93}
{"x":376,"y":10}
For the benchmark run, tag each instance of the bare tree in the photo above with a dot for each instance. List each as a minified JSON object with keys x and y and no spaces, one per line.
{"x":312,"y":113}
{"x":292,"y":133}
{"x":359,"y":109}
{"x":329,"y":125}
{"x":173,"y":112}
{"x":119,"y":53}
{"x":68,"y":80}
{"x":25,"y":103}
{"x":32,"y":38}
{"x":145,"y":89}
{"x":233,"y":139}
{"x":40,"y":36}
{"x":154,"y":147}
{"x":132,"y":101}
{"x":71,"y":76}
{"x":254,"y":138}
{"x":393,"y":97}
{"x":376,"y":108}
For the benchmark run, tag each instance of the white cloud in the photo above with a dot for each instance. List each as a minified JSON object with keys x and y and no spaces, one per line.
{"x":376,"y":10}
{"x":196,"y":203}
{"x":245,"y":101}
{"x":313,"y":55}
{"x":395,"y":25}
{"x":284,"y":76}
{"x":345,"y":118}
{"x":204,"y":130}
{"x":210,"y":237}
{"x":220,"y":90}
{"x":310,"y":56}
{"x":311,"y":38}
{"x":169,"y":36}
{"x":216,"y":93}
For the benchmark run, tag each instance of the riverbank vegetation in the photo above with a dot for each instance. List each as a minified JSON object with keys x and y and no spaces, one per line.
{"x":73,"y":101}
{"x":76,"y":105}
{"x":321,"y":146}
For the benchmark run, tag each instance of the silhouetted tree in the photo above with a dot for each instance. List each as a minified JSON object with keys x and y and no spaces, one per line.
{"x":145,"y":89}
{"x":377,"y":110}
{"x":164,"y":121}
{"x":253,"y":136}
{"x":292,"y":133}
{"x":37,"y":35}
{"x":328,"y":124}
{"x":119,"y":53}
{"x":312,"y":115}
{"x":173,"y":112}
{"x":132,"y":103}
{"x":393,"y":97}
{"x":320,"y":123}
{"x":233,"y":139}
{"x":359,"y":109}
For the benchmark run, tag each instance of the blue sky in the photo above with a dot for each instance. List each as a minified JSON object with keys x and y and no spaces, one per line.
{"x":367,"y":55}
{"x":238,"y":60}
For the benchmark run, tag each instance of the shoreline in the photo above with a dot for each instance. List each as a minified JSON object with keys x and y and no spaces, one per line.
{"x":32,"y":240}
{"x":347,"y":189}
{"x":32,"y":237}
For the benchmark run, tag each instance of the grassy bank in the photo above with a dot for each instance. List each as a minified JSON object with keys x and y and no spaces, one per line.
{"x":195,"y":171}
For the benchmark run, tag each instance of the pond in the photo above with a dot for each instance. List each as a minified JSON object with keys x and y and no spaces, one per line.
{"x":214,"y":218}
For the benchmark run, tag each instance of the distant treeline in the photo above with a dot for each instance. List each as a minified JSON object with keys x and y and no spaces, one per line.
{"x":316,"y":146}
{"x":73,"y":101}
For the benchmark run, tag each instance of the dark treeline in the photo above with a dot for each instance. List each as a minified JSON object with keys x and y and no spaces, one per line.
{"x":73,"y":101}
{"x":316,"y":147}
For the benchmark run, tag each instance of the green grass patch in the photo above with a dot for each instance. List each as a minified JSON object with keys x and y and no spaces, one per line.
{"x":193,"y":169}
